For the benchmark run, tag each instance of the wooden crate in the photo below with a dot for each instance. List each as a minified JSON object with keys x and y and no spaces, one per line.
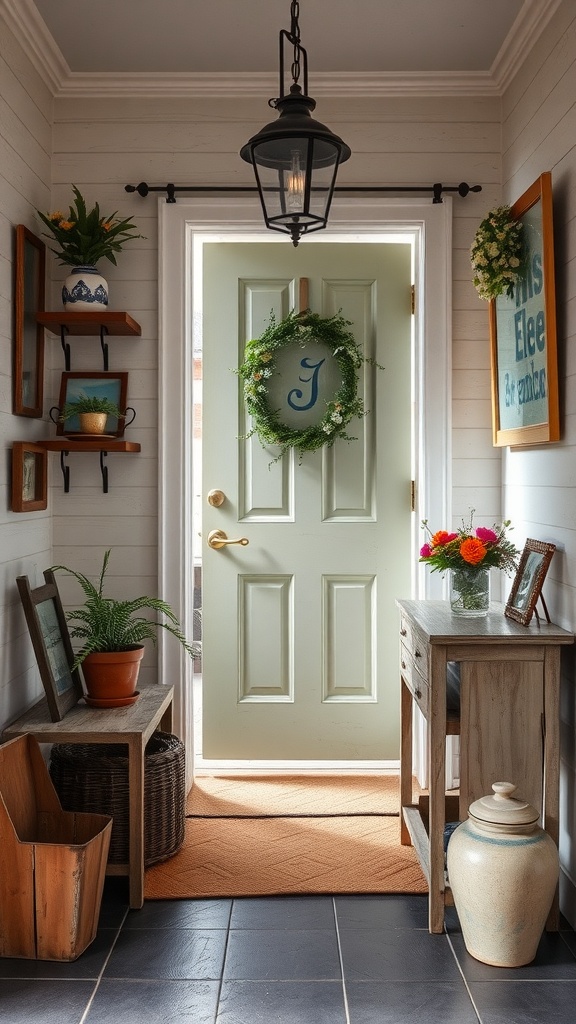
{"x":52,"y":862}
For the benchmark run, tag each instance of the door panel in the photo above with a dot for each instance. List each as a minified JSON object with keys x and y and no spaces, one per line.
{"x":299,"y":627}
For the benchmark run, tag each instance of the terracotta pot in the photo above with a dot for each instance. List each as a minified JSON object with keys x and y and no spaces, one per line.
{"x":93,"y":422}
{"x":110,"y":675}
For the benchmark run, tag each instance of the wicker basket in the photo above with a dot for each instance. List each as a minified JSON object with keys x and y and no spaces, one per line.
{"x":94,"y":777}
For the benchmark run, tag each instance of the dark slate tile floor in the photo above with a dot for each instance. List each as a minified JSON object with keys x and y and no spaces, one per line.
{"x":307,"y":960}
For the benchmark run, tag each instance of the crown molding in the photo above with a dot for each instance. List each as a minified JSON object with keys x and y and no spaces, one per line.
{"x":526,"y":30}
{"x":30,"y":30}
{"x":246,"y":84}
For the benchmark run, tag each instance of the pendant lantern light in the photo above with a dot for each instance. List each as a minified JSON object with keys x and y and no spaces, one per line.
{"x":295,"y":158}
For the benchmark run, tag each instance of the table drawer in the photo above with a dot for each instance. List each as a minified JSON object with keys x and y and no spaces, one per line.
{"x":415,"y":681}
{"x":416,"y":645}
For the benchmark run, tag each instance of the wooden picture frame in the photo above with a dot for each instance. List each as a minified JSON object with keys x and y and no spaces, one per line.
{"x":113,"y":386}
{"x":51,"y":641}
{"x":524,"y":362}
{"x":528,"y":581}
{"x":29,"y":477}
{"x":29,"y":299}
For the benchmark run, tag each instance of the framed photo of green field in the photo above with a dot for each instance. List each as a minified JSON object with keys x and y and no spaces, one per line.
{"x":524,"y":362}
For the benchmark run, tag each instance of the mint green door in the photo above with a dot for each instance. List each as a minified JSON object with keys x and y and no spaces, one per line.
{"x":300,"y":634}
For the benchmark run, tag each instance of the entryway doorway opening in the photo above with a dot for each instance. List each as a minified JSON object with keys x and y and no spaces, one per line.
{"x":184,"y":229}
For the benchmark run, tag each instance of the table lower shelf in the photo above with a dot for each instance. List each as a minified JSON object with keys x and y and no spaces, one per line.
{"x":416,"y":819}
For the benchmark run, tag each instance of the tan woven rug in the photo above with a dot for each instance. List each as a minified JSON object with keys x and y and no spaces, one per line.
{"x":264,"y":835}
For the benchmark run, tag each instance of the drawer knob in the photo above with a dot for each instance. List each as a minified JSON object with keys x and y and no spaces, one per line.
{"x":403,"y":664}
{"x":419,"y":694}
{"x":417,"y":654}
{"x":403,"y":632}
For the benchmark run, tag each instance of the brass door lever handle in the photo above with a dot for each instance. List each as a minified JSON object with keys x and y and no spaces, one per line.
{"x":218,"y":539}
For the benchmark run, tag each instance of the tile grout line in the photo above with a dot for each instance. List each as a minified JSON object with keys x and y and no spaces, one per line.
{"x":103,"y":968}
{"x":341,"y":959}
{"x":466,"y":986}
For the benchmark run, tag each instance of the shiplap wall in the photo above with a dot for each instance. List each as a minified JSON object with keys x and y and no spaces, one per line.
{"x":101,"y":144}
{"x":25,"y":538}
{"x":539,"y":133}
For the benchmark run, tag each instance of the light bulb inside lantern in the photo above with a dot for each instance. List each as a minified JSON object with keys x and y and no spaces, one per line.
{"x":295,"y":184}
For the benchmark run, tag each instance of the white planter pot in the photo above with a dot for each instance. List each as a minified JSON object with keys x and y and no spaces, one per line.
{"x":85,"y":290}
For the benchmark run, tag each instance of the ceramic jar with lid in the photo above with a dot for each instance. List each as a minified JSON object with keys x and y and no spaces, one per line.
{"x":503,"y":871}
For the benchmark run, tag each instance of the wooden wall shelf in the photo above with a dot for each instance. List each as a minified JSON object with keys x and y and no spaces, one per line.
{"x":99,"y":324}
{"x":65,"y":445}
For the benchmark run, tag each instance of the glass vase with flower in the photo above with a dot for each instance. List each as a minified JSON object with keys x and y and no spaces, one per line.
{"x":467,"y":555}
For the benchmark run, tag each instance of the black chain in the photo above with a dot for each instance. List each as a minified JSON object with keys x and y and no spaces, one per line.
{"x":295,"y":38}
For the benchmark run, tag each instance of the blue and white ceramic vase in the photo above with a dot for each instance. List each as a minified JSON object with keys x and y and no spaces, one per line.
{"x":85,"y":290}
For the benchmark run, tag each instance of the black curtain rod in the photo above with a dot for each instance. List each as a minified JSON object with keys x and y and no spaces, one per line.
{"x":143,"y":189}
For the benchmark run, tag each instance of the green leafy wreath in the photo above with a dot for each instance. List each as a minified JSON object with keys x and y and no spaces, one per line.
{"x":259,"y":365}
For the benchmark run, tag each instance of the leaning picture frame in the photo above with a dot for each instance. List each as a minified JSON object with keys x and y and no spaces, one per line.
{"x":29,"y":477}
{"x":29,"y":299}
{"x":94,"y":384}
{"x":524,"y":362}
{"x":51,"y":642}
{"x":528,"y":581}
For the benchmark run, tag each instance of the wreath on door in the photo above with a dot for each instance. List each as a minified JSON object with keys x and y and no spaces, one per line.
{"x":259,"y":366}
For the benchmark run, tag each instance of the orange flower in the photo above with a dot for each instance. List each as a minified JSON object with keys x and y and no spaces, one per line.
{"x":472,"y":550}
{"x":442,"y":537}
{"x":66,"y":225}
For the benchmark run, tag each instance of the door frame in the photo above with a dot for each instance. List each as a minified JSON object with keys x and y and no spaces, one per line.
{"x":182,"y":228}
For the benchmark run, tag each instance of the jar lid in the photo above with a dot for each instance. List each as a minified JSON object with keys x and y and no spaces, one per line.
{"x":502,"y":808}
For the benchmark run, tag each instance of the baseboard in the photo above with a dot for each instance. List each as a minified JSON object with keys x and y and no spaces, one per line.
{"x":297,"y":767}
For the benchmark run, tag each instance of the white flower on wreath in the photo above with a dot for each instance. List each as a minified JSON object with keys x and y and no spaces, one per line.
{"x":497,"y":253}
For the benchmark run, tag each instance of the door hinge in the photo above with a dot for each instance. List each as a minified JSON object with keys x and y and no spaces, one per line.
{"x":412,"y":299}
{"x":412,"y":495}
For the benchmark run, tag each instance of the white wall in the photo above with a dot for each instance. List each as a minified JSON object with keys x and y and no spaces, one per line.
{"x":25,"y":538}
{"x":539,"y":128}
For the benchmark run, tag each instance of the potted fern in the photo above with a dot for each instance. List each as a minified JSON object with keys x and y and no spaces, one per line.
{"x":92,"y":411}
{"x":112,"y":634}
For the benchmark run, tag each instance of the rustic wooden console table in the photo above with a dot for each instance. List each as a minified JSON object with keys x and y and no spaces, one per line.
{"x":509,"y":722}
{"x":133,"y":726}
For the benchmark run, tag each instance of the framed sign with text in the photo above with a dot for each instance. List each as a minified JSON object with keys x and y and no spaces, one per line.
{"x":523,"y":333}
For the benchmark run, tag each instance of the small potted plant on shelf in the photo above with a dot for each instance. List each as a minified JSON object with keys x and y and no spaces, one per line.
{"x":83,"y":238}
{"x":112,"y":633}
{"x":92,"y":411}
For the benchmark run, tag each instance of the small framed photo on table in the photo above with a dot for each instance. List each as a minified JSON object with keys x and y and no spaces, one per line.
{"x":525,"y":407}
{"x":29,"y":477}
{"x":527,"y":585}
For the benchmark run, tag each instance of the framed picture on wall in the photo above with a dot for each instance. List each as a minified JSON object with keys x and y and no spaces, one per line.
{"x":29,"y":477}
{"x":525,"y":408}
{"x":93,"y":384}
{"x":51,"y":642}
{"x":29,"y":293}
{"x":528,"y":581}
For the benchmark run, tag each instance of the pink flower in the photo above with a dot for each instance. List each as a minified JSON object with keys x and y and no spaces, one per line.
{"x":425,"y":551}
{"x":486,"y":536}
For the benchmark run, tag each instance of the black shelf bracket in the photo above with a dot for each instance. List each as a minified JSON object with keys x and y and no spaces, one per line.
{"x":66,"y":471}
{"x":104,"y":344}
{"x":104,"y":471}
{"x":65,"y":346}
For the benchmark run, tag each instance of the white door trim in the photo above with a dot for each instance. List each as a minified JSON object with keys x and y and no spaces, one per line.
{"x":360,"y":220}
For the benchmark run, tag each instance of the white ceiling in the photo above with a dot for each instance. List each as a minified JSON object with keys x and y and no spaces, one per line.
{"x":215,"y":36}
